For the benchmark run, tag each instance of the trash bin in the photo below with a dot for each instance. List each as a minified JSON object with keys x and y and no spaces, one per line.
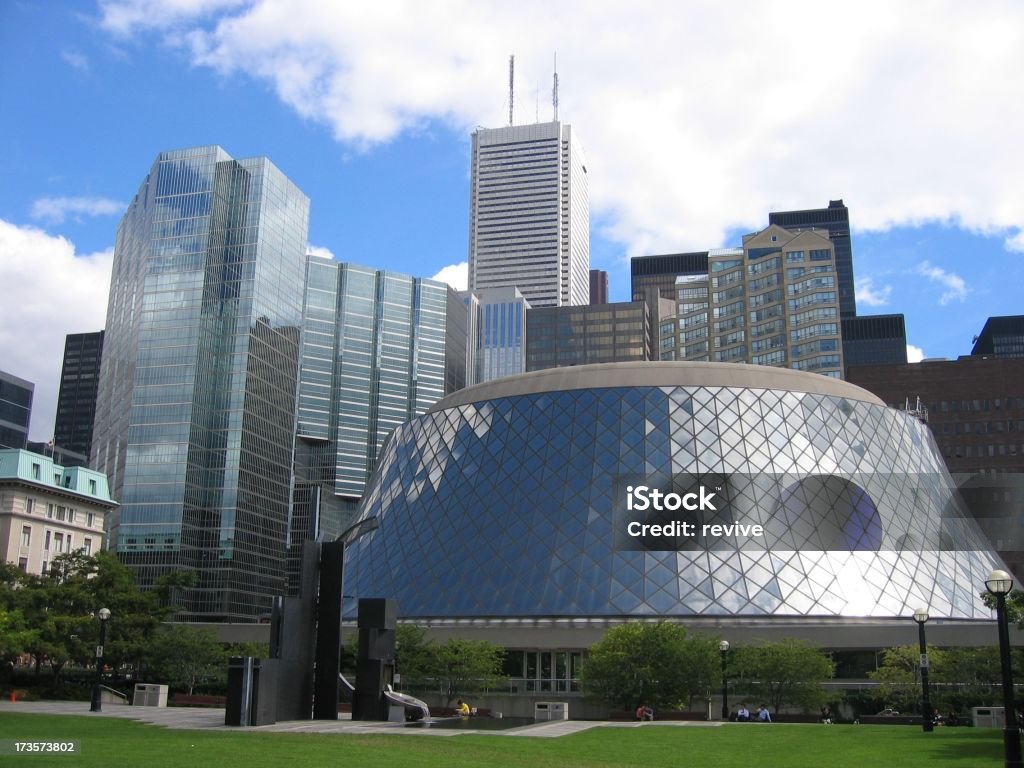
{"x":149,"y":695}
{"x":551,"y":710}
{"x":988,"y":717}
{"x":252,"y":691}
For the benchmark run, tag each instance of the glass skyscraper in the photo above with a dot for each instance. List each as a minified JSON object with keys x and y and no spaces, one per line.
{"x":379,"y":348}
{"x":197,"y":397}
{"x":15,"y":410}
{"x":497,"y":334}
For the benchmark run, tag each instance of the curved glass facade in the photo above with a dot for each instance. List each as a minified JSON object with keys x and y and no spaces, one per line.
{"x":509,"y":507}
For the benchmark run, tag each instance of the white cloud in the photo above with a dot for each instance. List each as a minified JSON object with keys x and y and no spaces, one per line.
{"x":867,"y":293}
{"x":899,"y":108}
{"x":956,"y":288}
{"x":59,"y":292}
{"x":54,"y":210}
{"x":1015,"y":242}
{"x":456,"y":275}
{"x":321,"y":251}
{"x":77,"y":60}
{"x":914,"y":354}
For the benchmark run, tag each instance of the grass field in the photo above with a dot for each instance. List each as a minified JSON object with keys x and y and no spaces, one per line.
{"x":110,"y":743}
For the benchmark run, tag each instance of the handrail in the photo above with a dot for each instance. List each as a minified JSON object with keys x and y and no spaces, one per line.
{"x":114,"y":691}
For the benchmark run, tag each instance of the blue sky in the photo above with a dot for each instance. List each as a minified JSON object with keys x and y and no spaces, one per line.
{"x":696,"y":120}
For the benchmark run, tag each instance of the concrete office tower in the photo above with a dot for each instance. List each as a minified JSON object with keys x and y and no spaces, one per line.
{"x":496,"y":341}
{"x":15,"y":410}
{"x":195,"y":415}
{"x":529,"y":215}
{"x":771,"y":302}
{"x":835,"y":219}
{"x":76,"y":403}
{"x":379,"y":348}
{"x":600,"y":333}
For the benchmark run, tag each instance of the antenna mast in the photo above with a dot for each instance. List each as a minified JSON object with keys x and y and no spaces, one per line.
{"x":511,"y":80}
{"x":554,"y":89}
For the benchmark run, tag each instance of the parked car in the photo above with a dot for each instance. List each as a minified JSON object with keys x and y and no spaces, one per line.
{"x":889,"y":712}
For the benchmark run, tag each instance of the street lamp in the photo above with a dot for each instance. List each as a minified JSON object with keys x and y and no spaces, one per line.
{"x":723,"y":646}
{"x":927,"y":724}
{"x":97,"y":705}
{"x":999,"y":583}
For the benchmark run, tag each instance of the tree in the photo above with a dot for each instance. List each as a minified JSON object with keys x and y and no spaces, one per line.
{"x":899,"y":676}
{"x":185,"y":657}
{"x":654,"y":664}
{"x":958,"y":678}
{"x":463,"y":666}
{"x":787,"y":673}
{"x":415,"y":655}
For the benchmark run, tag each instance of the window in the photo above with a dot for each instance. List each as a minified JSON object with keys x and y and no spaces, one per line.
{"x":23,"y":563}
{"x":37,"y":471}
{"x":58,"y":542}
{"x":90,"y":519}
{"x":49,"y":511}
{"x":30,"y":506}
{"x":26,"y":535}
{"x":87,"y":546}
{"x":46,"y":542}
{"x":92,"y":487}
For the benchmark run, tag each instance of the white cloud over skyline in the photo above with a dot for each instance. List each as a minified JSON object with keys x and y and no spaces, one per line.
{"x":914,"y":354}
{"x":869,"y":294}
{"x":456,"y":275}
{"x":55,"y":210}
{"x":955,"y":287}
{"x":899,"y":107}
{"x":51,"y":278}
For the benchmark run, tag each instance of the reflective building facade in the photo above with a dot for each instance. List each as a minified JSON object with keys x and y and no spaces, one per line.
{"x":76,"y":403}
{"x":379,"y":348}
{"x":15,"y":410}
{"x":505,"y":502}
{"x":196,"y":407}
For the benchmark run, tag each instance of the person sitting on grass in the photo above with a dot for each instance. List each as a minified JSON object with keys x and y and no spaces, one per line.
{"x":743,"y":714}
{"x":762,"y":714}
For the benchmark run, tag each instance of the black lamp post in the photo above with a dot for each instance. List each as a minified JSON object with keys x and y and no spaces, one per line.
{"x":723,"y":646}
{"x":97,"y":705}
{"x":927,"y":724}
{"x":999,"y":583}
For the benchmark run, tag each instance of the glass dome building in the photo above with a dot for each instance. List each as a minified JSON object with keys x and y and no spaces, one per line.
{"x":519,"y":501}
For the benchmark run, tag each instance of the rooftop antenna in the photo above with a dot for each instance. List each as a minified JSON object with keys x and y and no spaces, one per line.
{"x":554,"y":89}
{"x":511,"y":80}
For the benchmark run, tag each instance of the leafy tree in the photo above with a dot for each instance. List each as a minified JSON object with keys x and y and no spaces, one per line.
{"x":787,"y":673}
{"x":899,"y":676}
{"x":463,"y":666}
{"x":654,"y":664}
{"x":958,"y":678}
{"x":415,"y":655}
{"x":185,"y":657}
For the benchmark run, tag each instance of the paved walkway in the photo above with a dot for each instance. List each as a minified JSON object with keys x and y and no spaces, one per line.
{"x":207,"y":718}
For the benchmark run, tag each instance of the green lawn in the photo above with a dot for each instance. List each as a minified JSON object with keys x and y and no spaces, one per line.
{"x":109,"y":743}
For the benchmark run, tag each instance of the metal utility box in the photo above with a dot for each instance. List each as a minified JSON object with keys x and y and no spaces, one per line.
{"x":988,"y":717}
{"x":551,"y":710}
{"x":149,"y":695}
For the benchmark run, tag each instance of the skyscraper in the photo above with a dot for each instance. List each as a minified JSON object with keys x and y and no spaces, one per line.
{"x":196,"y":408}
{"x":15,"y":410}
{"x":79,"y":382}
{"x":771,"y":302}
{"x":378,"y":349}
{"x":836,"y":220}
{"x":496,"y":334}
{"x":529,"y":218}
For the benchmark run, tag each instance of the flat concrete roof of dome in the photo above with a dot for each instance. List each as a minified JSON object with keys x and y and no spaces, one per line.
{"x":656,"y":374}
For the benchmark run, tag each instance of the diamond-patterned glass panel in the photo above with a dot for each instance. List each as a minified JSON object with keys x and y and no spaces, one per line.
{"x":506,"y":507}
